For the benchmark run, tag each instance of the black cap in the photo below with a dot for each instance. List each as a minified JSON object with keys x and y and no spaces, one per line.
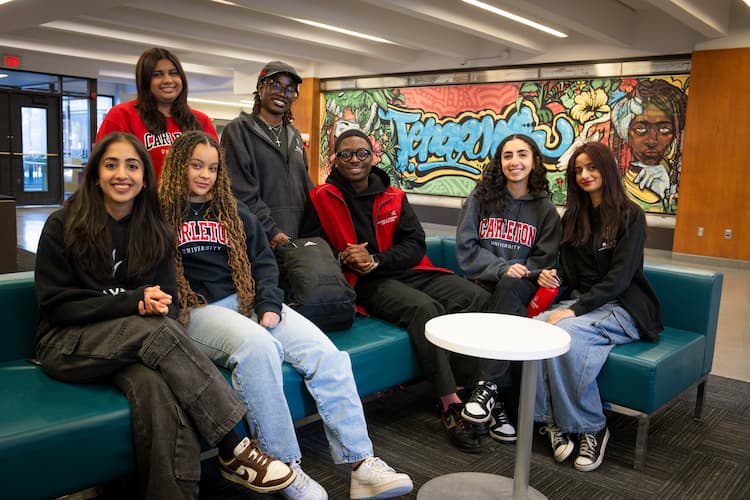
{"x":276,"y":67}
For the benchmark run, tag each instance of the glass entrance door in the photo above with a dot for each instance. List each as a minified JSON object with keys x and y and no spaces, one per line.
{"x":33,"y":172}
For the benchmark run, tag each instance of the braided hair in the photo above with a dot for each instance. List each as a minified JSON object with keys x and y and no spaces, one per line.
{"x":493,"y":184}
{"x":174,"y":195}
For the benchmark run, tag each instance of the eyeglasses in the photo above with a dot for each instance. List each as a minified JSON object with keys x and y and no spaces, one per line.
{"x":362,"y":154}
{"x":277,"y":88}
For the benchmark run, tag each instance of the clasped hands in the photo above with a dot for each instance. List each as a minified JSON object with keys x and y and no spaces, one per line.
{"x":356,"y":257}
{"x":155,"y":302}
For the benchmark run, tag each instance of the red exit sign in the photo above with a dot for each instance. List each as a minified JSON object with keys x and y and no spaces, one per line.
{"x":11,"y":61}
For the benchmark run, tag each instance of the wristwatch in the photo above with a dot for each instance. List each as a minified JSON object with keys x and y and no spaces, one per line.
{"x":375,"y":261}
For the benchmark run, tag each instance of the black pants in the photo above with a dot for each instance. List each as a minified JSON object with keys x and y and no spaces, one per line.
{"x":176,"y":393}
{"x":413,"y":301}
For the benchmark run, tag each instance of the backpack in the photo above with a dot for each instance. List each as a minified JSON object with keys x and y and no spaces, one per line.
{"x":314,"y":285}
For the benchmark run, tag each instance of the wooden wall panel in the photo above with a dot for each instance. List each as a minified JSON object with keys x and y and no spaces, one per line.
{"x":715,"y":180}
{"x":307,"y":119}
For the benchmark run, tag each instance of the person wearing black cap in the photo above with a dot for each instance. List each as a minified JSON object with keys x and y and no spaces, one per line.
{"x":266,"y":156}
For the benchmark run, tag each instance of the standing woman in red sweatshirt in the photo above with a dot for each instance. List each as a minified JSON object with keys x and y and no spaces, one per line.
{"x":160,"y":113}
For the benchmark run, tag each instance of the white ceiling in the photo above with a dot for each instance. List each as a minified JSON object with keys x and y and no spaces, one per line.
{"x":224,"y":46}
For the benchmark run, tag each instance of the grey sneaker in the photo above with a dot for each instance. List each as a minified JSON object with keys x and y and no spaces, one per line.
{"x":562,"y":446}
{"x":376,"y":479}
{"x":255,"y":470}
{"x":591,"y":447}
{"x":304,"y":487}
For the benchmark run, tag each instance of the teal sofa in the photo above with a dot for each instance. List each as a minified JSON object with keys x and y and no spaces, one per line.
{"x":79,"y":435}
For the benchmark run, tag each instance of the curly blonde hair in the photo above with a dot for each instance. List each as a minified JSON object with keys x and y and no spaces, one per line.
{"x":174,"y":195}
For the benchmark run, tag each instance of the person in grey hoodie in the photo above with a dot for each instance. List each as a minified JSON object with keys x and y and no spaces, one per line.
{"x":508,"y":232}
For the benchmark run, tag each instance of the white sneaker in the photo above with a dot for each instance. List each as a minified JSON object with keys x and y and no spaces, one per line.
{"x":376,"y":479}
{"x":304,"y":487}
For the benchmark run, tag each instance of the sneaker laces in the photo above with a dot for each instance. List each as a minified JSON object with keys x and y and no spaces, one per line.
{"x":256,"y":455}
{"x":556,"y":435}
{"x":587,"y":447}
{"x":481,"y":394}
{"x":499,"y":415}
{"x":377,"y":464}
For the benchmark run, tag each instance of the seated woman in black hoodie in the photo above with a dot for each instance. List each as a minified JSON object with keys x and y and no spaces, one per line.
{"x":384,"y":260}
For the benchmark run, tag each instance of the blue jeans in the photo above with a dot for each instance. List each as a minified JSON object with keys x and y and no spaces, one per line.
{"x":567,"y":392}
{"x":255,"y":355}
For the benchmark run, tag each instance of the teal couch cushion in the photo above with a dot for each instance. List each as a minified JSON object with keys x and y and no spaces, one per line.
{"x":646,"y":375}
{"x":381,"y":356}
{"x":59,"y":438}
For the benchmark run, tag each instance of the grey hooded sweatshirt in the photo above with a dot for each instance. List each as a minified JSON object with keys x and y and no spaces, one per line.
{"x":527,"y":232}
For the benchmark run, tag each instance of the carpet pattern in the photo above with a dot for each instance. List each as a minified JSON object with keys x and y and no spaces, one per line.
{"x":686,"y":459}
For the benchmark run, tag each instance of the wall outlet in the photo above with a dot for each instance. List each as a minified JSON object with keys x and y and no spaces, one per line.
{"x":727,"y":234}
{"x":700,"y":232}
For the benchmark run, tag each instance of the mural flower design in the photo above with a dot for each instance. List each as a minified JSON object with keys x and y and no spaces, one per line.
{"x":588,"y":104}
{"x":627,"y":85}
{"x":377,"y":150}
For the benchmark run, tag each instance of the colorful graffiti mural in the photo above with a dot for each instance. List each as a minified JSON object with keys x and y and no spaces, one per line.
{"x":437,"y":140}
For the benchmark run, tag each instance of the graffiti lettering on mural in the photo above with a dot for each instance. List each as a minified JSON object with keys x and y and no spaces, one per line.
{"x":437,"y":140}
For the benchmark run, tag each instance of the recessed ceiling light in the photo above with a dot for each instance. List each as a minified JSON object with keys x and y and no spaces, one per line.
{"x":227,"y":2}
{"x":518,"y":19}
{"x":5,"y":1}
{"x":3,"y":75}
{"x":342,"y":30}
{"x":220,"y":103}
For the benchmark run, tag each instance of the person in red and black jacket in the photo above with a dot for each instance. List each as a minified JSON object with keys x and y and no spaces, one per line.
{"x":381,"y":246}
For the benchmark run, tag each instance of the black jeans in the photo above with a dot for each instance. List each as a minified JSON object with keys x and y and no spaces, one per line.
{"x":176,"y":393}
{"x":415,"y":300}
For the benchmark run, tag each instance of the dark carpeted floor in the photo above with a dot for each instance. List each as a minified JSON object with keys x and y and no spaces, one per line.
{"x":686,"y":459}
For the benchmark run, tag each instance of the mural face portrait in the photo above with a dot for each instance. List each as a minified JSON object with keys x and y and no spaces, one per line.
{"x":650,"y":134}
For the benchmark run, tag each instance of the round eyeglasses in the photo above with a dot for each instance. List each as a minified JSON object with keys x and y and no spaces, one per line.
{"x":277,"y":88}
{"x":362,"y":154}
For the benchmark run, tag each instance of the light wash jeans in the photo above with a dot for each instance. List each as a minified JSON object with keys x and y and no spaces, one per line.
{"x":567,"y":392}
{"x":255,"y":354}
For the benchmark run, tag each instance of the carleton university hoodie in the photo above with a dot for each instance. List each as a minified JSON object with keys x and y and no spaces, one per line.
{"x":526,"y":232}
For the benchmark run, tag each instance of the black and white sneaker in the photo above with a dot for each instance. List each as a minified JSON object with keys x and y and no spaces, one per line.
{"x":562,"y":446}
{"x":591,"y":447}
{"x":500,"y":427}
{"x":479,"y":406}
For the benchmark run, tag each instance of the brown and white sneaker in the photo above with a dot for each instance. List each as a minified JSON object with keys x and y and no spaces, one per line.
{"x":255,"y":470}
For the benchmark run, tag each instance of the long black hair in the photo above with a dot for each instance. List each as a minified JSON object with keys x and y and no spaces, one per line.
{"x":615,"y":208}
{"x":88,"y":239}
{"x":147,"y":106}
{"x":493,"y":184}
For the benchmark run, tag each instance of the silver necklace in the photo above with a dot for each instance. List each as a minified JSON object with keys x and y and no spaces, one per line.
{"x":276,"y":135}
{"x":196,"y":212}
{"x":275,"y":131}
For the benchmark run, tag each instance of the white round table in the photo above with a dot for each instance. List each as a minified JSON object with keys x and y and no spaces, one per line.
{"x":497,"y":336}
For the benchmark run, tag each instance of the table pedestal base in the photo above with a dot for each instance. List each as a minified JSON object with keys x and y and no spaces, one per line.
{"x":472,"y":486}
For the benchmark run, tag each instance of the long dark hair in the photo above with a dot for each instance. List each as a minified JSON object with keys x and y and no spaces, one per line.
{"x":88,"y":239}
{"x":493,"y":184}
{"x":615,"y":208}
{"x":174,"y":194}
{"x":147,"y":107}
